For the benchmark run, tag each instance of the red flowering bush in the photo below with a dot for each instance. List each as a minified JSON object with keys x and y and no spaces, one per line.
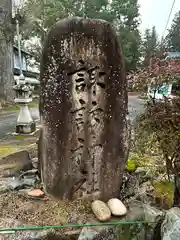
{"x":159,"y":126}
{"x":158,"y":72}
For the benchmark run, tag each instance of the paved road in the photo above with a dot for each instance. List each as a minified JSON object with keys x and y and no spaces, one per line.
{"x":8,"y":120}
{"x":135,"y":106}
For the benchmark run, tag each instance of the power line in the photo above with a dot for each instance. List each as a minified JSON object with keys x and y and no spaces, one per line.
{"x":168,"y":18}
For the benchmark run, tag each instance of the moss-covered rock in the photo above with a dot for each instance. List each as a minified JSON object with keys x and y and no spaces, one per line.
{"x":131,"y":165}
{"x":164,"y":193}
{"x":136,"y":161}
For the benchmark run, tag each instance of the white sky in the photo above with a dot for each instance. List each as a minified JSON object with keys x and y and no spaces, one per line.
{"x":156,"y":12}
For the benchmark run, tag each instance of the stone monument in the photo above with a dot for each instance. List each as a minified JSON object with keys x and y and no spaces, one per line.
{"x":83,"y":107}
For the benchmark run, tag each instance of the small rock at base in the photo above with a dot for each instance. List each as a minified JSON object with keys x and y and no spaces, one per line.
{"x":101,"y":210}
{"x":36,"y":193}
{"x":116,"y":207}
{"x":15,"y":184}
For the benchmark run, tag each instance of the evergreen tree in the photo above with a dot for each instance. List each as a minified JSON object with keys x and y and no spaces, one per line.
{"x":149,"y":45}
{"x":173,"y":37}
{"x":124,"y":14}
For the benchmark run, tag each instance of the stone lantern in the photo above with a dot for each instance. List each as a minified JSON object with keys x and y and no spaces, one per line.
{"x":25,"y":123}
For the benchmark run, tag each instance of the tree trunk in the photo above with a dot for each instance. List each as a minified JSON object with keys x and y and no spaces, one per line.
{"x":6,"y":51}
{"x":177,"y":182}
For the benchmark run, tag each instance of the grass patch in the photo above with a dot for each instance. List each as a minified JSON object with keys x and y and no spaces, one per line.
{"x":19,"y":137}
{"x":16,"y":107}
{"x":5,"y":149}
{"x":164,"y":191}
{"x":10,"y":166}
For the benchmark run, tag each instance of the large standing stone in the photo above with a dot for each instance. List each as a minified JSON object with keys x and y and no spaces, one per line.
{"x":83,"y":108}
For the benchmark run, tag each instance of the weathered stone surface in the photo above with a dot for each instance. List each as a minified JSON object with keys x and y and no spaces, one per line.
{"x":90,"y":197}
{"x":141,"y":171}
{"x":136,"y":212}
{"x":30,"y":235}
{"x":144,"y":192}
{"x":14,"y":163}
{"x":15,"y":184}
{"x":98,"y":233}
{"x":35,"y":162}
{"x":11,"y":184}
{"x":116,"y":207}
{"x":30,"y":174}
{"x":101,"y":210}
{"x":129,"y":187}
{"x":170,"y":228}
{"x":83,"y":107}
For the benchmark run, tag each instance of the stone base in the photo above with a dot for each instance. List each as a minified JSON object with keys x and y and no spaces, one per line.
{"x":26,"y":135}
{"x":26,"y":128}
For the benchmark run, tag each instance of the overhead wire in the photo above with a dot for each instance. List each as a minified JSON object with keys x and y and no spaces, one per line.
{"x":170,"y":13}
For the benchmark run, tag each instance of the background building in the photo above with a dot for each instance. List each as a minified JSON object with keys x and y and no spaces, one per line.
{"x":29,"y":66}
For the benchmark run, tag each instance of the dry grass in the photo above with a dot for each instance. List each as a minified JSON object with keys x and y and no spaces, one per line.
{"x":7,"y":149}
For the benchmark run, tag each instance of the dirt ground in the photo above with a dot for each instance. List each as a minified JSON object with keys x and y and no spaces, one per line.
{"x":14,"y":205}
{"x":43,"y":212}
